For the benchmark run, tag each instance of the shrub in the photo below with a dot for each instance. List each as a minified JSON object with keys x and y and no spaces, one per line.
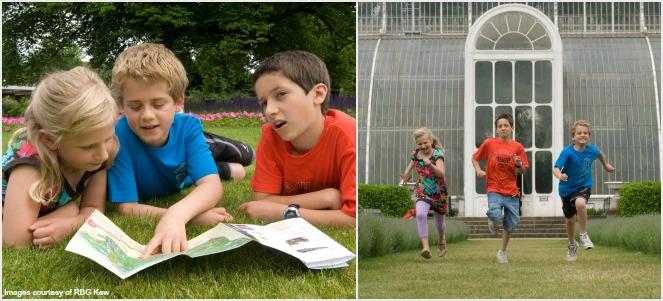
{"x":380,"y":235}
{"x":593,"y":211}
{"x":392,"y":200}
{"x":640,"y":233}
{"x":640,"y":198}
{"x":452,"y":212}
{"x":14,"y":108}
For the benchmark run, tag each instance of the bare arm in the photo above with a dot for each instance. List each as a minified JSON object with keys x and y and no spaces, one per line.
{"x":605,"y":164}
{"x":269,"y":211}
{"x":405,"y":177}
{"x":19,"y":211}
{"x":51,"y":229}
{"x":558,"y":174}
{"x":170,"y":233}
{"x":328,"y":198}
{"x":438,"y":167}
{"x":477,"y":168}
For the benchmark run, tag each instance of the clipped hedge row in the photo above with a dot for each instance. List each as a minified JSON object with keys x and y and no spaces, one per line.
{"x":640,"y":198}
{"x":392,"y":200}
{"x":381,"y":235}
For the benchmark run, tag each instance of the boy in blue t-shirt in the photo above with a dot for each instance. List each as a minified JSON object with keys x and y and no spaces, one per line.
{"x":576,"y":182}
{"x":161,"y":151}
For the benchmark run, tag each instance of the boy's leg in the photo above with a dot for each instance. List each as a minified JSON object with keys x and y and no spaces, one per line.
{"x":581,"y":208}
{"x":229,"y":155}
{"x":511,"y":218}
{"x":422,"y":227}
{"x":494,"y":212}
{"x":579,"y":200}
{"x":569,"y":209}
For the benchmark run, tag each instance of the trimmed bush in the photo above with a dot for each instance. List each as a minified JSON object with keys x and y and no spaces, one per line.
{"x":392,"y":200}
{"x":640,"y":233}
{"x":640,"y":198}
{"x":381,"y":235}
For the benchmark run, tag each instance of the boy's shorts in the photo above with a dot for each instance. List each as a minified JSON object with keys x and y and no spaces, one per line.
{"x":569,"y":202}
{"x":510,"y":204}
{"x":225,"y":150}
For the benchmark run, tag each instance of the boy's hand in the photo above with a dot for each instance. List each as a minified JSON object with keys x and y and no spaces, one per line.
{"x":609,"y":168}
{"x":563,"y":177}
{"x":213,"y":216}
{"x":481,"y":173}
{"x":170,"y":234}
{"x":49,"y":232}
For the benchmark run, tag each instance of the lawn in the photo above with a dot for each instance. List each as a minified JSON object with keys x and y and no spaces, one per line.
{"x":252,"y":271}
{"x":537,"y":268}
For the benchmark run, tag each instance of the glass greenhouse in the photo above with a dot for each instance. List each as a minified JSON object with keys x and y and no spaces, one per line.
{"x":453,"y":67}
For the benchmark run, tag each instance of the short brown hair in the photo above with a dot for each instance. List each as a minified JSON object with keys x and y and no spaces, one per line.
{"x":584,"y":123}
{"x":303,"y":68}
{"x":151,"y":63}
{"x":506,"y":116}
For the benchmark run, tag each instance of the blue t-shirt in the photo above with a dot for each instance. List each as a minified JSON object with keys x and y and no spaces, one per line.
{"x":141,"y":172}
{"x":577,"y":166}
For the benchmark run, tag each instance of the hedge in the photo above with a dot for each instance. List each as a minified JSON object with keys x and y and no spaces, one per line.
{"x":392,"y":200}
{"x":640,"y":198}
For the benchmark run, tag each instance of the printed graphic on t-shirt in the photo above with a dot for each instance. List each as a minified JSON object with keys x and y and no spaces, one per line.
{"x":180,"y":173}
{"x":294,"y":188}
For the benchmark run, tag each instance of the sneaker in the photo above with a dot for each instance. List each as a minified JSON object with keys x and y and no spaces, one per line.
{"x":586,"y":243}
{"x":572,"y":252}
{"x":501,"y":257}
{"x":410,"y":214}
{"x":442,"y":252}
{"x":493,"y":226}
{"x":425,"y":254}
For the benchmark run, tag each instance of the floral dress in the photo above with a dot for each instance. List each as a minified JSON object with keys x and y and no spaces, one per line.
{"x":23,"y":152}
{"x":430,"y":188}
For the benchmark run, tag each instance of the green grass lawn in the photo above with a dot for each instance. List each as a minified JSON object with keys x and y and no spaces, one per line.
{"x":252,"y":271}
{"x":537,"y":268}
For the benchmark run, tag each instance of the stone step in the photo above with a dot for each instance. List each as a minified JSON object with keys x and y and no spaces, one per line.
{"x":529,"y":227}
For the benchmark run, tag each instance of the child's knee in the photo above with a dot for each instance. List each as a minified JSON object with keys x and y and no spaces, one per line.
{"x":237,"y":171}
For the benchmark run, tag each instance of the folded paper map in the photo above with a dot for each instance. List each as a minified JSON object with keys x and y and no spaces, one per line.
{"x":102,"y":241}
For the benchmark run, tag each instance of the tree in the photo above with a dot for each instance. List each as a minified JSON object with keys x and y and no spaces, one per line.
{"x":218,"y":43}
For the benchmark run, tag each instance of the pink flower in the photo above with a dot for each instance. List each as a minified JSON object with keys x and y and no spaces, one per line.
{"x":7,"y":129}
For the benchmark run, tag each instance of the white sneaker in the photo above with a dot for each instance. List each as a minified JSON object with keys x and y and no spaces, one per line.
{"x":572,"y":252}
{"x":586,"y":243}
{"x":501,"y":257}
{"x":493,"y":226}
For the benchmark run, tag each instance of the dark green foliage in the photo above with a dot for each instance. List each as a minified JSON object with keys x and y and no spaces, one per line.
{"x":640,"y":198}
{"x":593,"y":211}
{"x":452,"y":212}
{"x":14,"y":108}
{"x":392,"y":200}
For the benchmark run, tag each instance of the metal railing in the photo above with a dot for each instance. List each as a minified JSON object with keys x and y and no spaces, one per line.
{"x":455,"y":18}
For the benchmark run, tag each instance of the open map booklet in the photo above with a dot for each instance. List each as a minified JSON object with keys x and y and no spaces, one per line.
{"x":102,"y":241}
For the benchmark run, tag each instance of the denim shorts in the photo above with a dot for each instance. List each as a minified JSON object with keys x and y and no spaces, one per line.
{"x":510,"y":204}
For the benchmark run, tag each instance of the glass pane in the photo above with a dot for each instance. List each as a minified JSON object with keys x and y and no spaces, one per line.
{"x":503,"y":82}
{"x":523,"y":122}
{"x":484,"y":44}
{"x":543,"y":81}
{"x":513,"y":41}
{"x":528,"y":174}
{"x":480,"y":186}
{"x":483,"y":74}
{"x":501,"y":110}
{"x":543,"y":127}
{"x":544,"y":172}
{"x":523,"y":82}
{"x":483,"y":124}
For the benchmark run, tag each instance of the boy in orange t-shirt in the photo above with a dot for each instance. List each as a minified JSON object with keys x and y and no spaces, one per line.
{"x":503,"y":155}
{"x":305,"y":164}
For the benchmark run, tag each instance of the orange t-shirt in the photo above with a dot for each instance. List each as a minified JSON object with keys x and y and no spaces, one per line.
{"x":500,"y":168}
{"x":329,"y":164}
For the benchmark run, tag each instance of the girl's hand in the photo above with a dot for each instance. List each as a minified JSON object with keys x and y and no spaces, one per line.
{"x":426,"y":161}
{"x":405,"y":178}
{"x":49,"y":232}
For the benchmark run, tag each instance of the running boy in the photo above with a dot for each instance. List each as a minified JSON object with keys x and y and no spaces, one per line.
{"x":161,"y":152}
{"x":305,"y":162}
{"x":504,"y":158}
{"x":576,"y":182}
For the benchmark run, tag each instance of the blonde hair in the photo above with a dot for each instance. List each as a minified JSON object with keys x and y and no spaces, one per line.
{"x":584,"y":123}
{"x":151,"y":63}
{"x":418,"y":133}
{"x":65,"y":104}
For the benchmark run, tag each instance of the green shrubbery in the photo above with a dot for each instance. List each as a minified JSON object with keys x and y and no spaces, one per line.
{"x":640,"y":198}
{"x":380,"y":235}
{"x":640,"y":233}
{"x":14,"y":108}
{"x":392,"y":200}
